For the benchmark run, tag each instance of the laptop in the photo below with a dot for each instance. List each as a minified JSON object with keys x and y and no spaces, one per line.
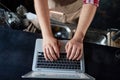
{"x":60,"y":69}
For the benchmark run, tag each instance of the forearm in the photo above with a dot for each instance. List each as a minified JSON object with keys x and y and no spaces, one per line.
{"x":42,"y":11}
{"x":86,"y":16}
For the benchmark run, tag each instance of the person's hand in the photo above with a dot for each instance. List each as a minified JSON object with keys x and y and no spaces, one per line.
{"x":51,"y":48}
{"x":74,"y":49}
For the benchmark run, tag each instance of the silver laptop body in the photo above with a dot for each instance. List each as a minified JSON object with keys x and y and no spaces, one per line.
{"x":60,"y":69}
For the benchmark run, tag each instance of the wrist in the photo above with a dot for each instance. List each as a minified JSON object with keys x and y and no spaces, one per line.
{"x":79,"y":37}
{"x":47,"y":35}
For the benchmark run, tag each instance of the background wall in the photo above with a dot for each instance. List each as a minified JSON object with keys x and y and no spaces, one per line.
{"x":108,"y":15}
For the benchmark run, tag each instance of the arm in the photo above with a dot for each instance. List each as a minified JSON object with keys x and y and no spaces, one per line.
{"x":42,"y":11}
{"x":86,"y":16}
{"x":75,"y":46}
{"x":50,"y":44}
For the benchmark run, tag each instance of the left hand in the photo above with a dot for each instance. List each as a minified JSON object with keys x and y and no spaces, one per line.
{"x":74,"y":49}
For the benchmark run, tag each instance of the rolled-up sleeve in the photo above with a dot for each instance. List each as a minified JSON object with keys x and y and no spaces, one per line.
{"x":95,"y":2}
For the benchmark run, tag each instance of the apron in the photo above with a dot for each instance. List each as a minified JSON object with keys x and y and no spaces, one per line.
{"x":65,"y":11}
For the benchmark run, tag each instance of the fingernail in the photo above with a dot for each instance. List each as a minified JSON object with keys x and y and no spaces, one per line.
{"x":69,"y":58}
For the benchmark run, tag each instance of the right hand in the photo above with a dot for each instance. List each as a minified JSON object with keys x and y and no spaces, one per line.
{"x":51,"y":48}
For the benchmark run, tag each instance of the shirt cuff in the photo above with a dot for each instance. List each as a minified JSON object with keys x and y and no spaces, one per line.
{"x":94,"y":2}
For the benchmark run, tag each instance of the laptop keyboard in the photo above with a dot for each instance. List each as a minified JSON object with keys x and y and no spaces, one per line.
{"x":61,"y":63}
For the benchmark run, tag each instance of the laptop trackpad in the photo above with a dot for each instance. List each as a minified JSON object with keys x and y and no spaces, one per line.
{"x":56,"y":75}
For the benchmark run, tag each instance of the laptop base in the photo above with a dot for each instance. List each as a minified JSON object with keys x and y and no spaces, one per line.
{"x":52,"y":75}
{"x":60,"y":69}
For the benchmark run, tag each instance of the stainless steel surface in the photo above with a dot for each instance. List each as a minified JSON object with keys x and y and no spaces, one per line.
{"x":62,"y":31}
{"x":113,"y":38}
{"x":92,"y":35}
{"x":96,"y":36}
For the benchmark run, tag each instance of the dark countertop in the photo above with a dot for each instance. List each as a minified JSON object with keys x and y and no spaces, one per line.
{"x":16,"y":53}
{"x":17,"y":48}
{"x":102,"y":62}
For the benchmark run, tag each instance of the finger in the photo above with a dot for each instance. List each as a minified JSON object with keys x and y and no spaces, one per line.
{"x":53,"y":55}
{"x":80,"y":55}
{"x":69,"y":49}
{"x":72,"y":53}
{"x":45,"y":54}
{"x":56,"y":50}
{"x":48,"y":54}
{"x":76,"y":54}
